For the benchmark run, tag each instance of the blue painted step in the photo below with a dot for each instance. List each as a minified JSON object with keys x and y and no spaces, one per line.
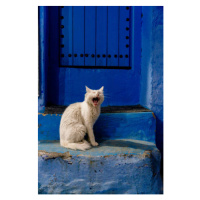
{"x":123,"y":166}
{"x":137,"y":124}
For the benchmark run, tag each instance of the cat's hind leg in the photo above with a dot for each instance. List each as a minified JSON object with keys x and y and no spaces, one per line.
{"x":73,"y":138}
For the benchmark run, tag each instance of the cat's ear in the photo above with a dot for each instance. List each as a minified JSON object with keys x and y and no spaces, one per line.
{"x":87,"y":89}
{"x":101,"y":89}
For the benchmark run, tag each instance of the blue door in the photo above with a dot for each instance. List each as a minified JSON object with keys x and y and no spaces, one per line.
{"x":96,"y":46}
{"x":95,"y":37}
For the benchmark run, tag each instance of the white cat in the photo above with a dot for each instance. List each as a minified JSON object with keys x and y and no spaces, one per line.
{"x":79,"y":118}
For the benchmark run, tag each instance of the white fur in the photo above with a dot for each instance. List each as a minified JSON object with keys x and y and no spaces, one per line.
{"x":78,"y":119}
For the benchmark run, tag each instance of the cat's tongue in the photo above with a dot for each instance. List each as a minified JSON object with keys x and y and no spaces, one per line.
{"x":95,"y":102}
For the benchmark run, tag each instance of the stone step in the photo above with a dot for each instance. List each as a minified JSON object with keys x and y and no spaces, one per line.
{"x":122,"y":166}
{"x":128,"y":122}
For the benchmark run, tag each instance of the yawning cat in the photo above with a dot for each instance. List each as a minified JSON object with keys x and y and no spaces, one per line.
{"x":79,"y":118}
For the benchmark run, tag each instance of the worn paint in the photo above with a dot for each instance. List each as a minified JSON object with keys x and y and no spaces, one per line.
{"x":103,"y":172}
{"x":154,"y":115}
{"x":138,"y":126}
{"x":151,"y":91}
{"x":43,"y":114}
{"x":53,"y":155}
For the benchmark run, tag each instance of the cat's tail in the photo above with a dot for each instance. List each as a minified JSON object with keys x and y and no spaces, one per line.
{"x":84,"y":145}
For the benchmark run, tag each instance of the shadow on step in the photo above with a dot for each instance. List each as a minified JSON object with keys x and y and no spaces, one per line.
{"x":129,"y":144}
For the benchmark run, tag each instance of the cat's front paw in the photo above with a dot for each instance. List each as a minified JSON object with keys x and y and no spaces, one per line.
{"x":94,"y":144}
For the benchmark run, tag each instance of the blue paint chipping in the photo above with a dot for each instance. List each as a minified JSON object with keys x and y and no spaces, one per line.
{"x":107,"y":169}
{"x":127,"y":160}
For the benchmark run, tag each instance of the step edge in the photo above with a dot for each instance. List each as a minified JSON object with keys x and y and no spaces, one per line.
{"x":108,"y":109}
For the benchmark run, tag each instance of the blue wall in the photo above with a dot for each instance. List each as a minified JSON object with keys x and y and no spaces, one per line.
{"x":151,"y":93}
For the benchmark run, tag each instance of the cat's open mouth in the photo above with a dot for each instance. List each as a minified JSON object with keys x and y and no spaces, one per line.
{"x":95,"y":101}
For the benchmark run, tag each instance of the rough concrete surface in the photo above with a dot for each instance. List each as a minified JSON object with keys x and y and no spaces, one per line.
{"x":133,"y":169}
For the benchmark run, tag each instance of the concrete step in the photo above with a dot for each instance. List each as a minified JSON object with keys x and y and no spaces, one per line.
{"x":129,"y":122}
{"x":120,"y":166}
